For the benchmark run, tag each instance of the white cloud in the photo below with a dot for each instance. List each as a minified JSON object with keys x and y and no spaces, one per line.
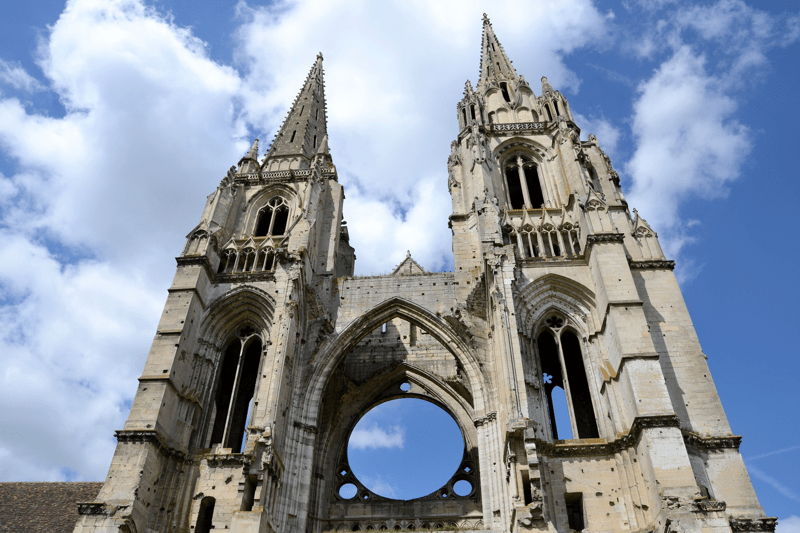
{"x":15,"y":76}
{"x":687,"y":143}
{"x":375,"y":436}
{"x":379,"y":486}
{"x":91,"y":220}
{"x":788,"y":525}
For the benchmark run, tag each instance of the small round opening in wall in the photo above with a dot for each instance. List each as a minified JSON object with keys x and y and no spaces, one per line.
{"x":462,"y":487}
{"x":405,"y":387}
{"x":347,"y":491}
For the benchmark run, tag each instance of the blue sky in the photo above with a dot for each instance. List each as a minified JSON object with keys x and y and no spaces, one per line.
{"x":118,"y":117}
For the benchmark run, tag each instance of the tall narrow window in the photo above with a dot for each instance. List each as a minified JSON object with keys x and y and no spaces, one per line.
{"x":301,"y":109}
{"x":555,"y":106}
{"x":549,"y":114}
{"x":464,"y":116}
{"x":316,"y":115}
{"x":293,"y":134}
{"x":504,"y":89}
{"x":534,"y":187}
{"x":553,"y":383}
{"x":273,"y":218}
{"x":315,"y":141}
{"x":515,"y":196}
{"x":235,"y":389}
{"x":205,"y":516}
{"x":578,"y":387}
{"x":472,"y":111}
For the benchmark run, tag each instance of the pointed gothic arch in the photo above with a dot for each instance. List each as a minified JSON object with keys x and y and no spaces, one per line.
{"x":329,"y":356}
{"x":553,"y":291}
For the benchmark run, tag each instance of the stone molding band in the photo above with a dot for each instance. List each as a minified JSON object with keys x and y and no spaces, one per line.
{"x":592,"y":449}
{"x":150,"y":436}
{"x":305,"y":427}
{"x":652,"y":265}
{"x":712,"y":443}
{"x":748,"y":525}
{"x":604,"y":237}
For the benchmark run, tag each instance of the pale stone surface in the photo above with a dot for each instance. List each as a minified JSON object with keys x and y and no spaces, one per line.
{"x":269,"y":350}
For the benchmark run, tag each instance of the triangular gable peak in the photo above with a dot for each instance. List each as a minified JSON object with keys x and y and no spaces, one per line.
{"x":640,"y":226}
{"x":409,"y":267}
{"x":546,"y":223}
{"x":594,"y":202}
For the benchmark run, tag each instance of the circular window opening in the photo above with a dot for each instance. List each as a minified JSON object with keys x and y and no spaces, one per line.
{"x":462,"y":487}
{"x":347,"y":491}
{"x":405,"y":387}
{"x":405,"y":449}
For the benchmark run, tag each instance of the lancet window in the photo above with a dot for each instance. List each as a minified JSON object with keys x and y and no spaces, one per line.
{"x":235,"y":389}
{"x":523,"y":184}
{"x":565,"y":381}
{"x":273,"y":217}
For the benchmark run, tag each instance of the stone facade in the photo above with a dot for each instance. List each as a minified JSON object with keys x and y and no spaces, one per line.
{"x":269,"y":349}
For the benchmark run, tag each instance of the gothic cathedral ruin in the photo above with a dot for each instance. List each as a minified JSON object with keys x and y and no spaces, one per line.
{"x":269,"y":349}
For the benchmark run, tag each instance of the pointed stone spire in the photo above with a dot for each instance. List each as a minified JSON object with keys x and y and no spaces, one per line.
{"x":306,"y":124}
{"x":495,"y":65}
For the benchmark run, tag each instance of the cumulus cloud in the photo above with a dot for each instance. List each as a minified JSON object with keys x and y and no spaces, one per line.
{"x":688,"y":143}
{"x":375,"y":436}
{"x":91,"y":217}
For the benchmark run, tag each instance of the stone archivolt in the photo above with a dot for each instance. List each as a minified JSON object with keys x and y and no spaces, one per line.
{"x":558,"y":291}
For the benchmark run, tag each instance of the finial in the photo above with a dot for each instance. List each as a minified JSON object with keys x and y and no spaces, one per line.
{"x":635,"y":212}
{"x":319,"y":56}
{"x":408,"y":253}
{"x":486,"y":19}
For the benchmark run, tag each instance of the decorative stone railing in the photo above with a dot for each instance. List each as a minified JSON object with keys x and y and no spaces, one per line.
{"x":520,"y":126}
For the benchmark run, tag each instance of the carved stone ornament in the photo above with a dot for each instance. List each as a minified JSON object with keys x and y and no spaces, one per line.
{"x":746,"y":525}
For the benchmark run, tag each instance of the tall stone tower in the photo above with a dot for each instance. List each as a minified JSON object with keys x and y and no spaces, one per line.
{"x":561,"y":303}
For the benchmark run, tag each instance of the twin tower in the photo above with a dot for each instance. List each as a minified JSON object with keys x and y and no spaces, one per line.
{"x":269,"y":350}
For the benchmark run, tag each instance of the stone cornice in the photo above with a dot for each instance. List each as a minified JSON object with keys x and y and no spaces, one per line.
{"x":746,"y":525}
{"x":150,"y":436}
{"x":227,"y":459}
{"x":652,"y":265}
{"x":731,"y":442}
{"x":488,"y":418}
{"x":597,"y":238}
{"x":596,"y":449}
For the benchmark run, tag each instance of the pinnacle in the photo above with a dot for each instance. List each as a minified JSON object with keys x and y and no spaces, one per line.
{"x":495,"y":65}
